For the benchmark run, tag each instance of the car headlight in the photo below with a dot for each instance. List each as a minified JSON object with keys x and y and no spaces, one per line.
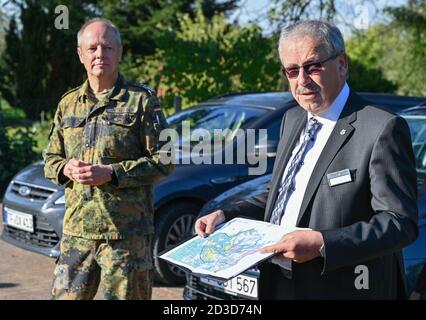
{"x":60,"y":200}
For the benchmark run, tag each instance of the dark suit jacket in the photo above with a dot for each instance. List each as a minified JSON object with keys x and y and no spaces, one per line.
{"x":363,"y":222}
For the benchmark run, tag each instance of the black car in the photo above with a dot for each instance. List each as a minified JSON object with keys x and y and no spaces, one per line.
{"x":244,"y":286}
{"x":33,"y":207}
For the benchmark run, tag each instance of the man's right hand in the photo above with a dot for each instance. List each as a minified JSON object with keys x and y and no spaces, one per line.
{"x":206,"y":225}
{"x":71,"y":166}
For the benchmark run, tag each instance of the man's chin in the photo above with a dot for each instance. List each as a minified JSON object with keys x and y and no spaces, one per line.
{"x":100,"y":72}
{"x":314,"y":108}
{"x":308,"y":103}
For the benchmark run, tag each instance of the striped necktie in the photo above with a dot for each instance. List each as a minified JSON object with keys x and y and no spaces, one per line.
{"x":287,"y":184}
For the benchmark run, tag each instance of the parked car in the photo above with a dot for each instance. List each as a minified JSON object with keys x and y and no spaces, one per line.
{"x":244,"y":286}
{"x":33,"y":207}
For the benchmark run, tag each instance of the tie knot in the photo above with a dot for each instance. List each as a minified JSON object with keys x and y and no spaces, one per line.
{"x":312,"y":127}
{"x":312,"y":121}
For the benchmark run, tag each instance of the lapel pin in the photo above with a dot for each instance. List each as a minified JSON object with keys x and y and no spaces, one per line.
{"x":342,"y":132}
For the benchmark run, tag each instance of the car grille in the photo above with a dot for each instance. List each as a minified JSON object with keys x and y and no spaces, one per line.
{"x":196,"y":290}
{"x":44,"y":235}
{"x":35,"y":192}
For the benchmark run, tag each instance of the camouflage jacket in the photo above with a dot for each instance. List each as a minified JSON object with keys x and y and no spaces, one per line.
{"x":122,"y":130}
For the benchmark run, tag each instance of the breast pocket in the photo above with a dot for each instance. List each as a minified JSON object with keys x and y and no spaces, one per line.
{"x":120,"y":136}
{"x":73,"y":132}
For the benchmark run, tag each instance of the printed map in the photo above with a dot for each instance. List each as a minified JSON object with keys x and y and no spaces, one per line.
{"x":228,"y":251}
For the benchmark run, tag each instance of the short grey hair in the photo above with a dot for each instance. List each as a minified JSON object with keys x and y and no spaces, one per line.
{"x":328,"y":34}
{"x":105,"y":21}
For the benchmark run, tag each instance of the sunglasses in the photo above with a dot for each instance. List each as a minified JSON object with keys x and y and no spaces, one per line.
{"x":312,"y":68}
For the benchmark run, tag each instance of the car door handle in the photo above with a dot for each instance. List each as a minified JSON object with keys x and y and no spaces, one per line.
{"x":223,"y":180}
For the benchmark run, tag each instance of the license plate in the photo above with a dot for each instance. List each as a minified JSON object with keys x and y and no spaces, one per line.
{"x":19,"y":220}
{"x":239,"y":285}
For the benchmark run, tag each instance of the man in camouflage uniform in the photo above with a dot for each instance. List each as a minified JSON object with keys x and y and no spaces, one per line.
{"x":104,"y":147}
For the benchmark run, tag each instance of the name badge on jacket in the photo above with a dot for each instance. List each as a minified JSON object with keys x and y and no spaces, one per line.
{"x":339,"y":177}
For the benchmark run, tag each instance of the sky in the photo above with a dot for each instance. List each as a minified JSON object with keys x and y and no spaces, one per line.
{"x":353,"y":14}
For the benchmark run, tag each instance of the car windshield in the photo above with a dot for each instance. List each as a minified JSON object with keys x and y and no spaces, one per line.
{"x":211,"y":118}
{"x":417,"y":124}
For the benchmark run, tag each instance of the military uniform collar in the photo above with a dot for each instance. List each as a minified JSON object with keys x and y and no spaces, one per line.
{"x":118,"y":92}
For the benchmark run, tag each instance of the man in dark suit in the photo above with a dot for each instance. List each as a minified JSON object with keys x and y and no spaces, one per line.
{"x":345,"y":170}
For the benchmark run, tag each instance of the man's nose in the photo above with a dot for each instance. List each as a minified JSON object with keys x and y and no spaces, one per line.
{"x":303,"y":78}
{"x":99,"y":52}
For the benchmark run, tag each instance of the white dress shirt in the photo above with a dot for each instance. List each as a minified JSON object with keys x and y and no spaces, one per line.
{"x":327,"y":120}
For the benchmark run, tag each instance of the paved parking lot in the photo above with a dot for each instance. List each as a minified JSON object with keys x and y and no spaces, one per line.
{"x":27,"y":276}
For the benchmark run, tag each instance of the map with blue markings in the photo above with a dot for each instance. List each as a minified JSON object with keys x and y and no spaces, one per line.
{"x":230,"y":250}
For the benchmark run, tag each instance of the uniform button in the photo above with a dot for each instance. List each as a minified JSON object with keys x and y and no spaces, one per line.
{"x":87,"y":145}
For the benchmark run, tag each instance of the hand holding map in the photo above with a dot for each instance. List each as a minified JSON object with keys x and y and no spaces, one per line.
{"x":230,"y":250}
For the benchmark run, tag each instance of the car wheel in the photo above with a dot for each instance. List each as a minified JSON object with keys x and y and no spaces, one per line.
{"x":173,"y":224}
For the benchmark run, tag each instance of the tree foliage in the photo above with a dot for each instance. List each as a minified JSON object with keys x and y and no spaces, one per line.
{"x":367,"y":56}
{"x":16,"y":151}
{"x":40,"y":63}
{"x":140,"y":24}
{"x":409,"y":24}
{"x":391,"y":57}
{"x":209,"y":57}
{"x":283,"y":12}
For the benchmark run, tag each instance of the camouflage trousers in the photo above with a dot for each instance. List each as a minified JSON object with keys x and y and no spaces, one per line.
{"x":123,"y":268}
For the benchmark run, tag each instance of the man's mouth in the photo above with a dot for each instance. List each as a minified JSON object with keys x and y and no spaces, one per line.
{"x":308,"y":94}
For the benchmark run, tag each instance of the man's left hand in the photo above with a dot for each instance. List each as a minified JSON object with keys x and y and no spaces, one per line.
{"x":299,"y":246}
{"x":93,"y":175}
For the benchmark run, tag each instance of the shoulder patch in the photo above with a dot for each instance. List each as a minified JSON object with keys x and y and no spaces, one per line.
{"x":69,"y":91}
{"x":145,"y":87}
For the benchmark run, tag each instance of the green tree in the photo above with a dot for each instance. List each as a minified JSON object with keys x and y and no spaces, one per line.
{"x":210,"y":57}
{"x":16,"y":151}
{"x":367,"y":52}
{"x":139,"y":20}
{"x":4,"y":153}
{"x":409,"y":25}
{"x":3,"y":24}
{"x":39,"y":62}
{"x":283,"y":12}
{"x":391,"y":57}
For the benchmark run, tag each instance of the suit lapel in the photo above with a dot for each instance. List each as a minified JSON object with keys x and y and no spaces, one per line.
{"x":294,"y":124}
{"x":341,"y":132}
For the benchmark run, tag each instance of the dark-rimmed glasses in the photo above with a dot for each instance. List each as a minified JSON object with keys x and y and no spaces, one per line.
{"x":312,"y":68}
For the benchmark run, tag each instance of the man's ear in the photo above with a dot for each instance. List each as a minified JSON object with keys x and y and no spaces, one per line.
{"x":80,"y":54}
{"x":120,"y":53}
{"x":343,"y":64}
